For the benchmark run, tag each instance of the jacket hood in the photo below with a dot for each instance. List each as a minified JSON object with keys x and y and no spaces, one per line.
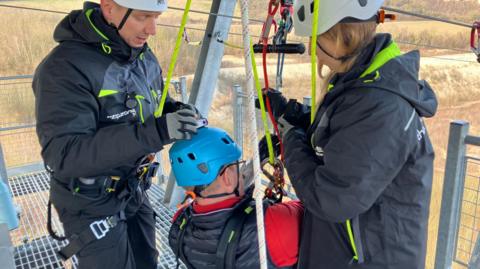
{"x":398,"y":75}
{"x":88,"y":26}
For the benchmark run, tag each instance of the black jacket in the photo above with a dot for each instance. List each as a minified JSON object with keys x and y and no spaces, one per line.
{"x":83,"y":123}
{"x":202,"y":235}
{"x":363,"y":170}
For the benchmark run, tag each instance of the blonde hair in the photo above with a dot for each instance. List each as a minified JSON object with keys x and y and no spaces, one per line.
{"x":353,"y":38}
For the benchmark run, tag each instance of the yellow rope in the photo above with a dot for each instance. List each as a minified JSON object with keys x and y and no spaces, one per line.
{"x":258,"y":86}
{"x":173,"y":61}
{"x":313,"y":58}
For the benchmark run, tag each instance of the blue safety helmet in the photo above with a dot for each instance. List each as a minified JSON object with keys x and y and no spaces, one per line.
{"x":198,"y":161}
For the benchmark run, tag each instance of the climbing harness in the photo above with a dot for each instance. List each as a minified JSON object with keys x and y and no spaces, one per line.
{"x":475,"y":35}
{"x":146,"y":169}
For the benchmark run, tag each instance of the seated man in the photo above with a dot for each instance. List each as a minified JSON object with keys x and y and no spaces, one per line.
{"x":218,"y":229}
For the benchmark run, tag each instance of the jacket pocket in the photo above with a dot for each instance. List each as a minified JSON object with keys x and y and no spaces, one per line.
{"x":354,"y":236}
{"x":372,"y":235}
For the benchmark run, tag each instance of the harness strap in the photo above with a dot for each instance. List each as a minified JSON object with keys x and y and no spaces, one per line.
{"x":96,"y":231}
{"x":179,"y":253}
{"x":228,"y":243}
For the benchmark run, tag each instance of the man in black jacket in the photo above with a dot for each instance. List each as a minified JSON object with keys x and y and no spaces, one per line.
{"x":96,"y":94}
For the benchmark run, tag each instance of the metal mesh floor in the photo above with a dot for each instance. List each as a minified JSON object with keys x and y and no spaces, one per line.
{"x":34,"y":248}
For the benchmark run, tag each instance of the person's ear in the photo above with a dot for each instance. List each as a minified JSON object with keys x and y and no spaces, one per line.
{"x":229,"y":177}
{"x":107,"y":8}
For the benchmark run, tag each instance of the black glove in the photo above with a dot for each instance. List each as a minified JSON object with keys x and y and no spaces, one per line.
{"x":263,"y":147}
{"x":180,"y":105}
{"x":295,"y":113}
{"x":277,"y":101}
{"x":181,"y":124}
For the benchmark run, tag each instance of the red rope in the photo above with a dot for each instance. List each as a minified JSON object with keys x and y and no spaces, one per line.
{"x":271,"y":12}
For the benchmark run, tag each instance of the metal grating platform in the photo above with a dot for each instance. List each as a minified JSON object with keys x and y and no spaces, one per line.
{"x":35,"y":249}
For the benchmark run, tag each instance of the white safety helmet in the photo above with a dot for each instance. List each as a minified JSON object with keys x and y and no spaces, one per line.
{"x":330,"y":13}
{"x":145,"y":5}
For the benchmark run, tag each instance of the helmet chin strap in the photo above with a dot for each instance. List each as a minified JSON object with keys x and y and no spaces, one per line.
{"x":122,"y":23}
{"x":198,"y":189}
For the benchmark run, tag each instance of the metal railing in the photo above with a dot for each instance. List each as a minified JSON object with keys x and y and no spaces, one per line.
{"x":17,"y":124}
{"x":458,"y":241}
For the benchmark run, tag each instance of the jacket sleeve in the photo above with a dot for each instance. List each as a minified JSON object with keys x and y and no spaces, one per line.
{"x":282,"y":232}
{"x":366,"y":149}
{"x":72,"y":143}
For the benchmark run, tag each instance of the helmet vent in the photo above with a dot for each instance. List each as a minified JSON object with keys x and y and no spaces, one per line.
{"x":363,"y":3}
{"x":225,"y":141}
{"x":203,"y":168}
{"x":191,"y":156}
{"x":179,"y":160}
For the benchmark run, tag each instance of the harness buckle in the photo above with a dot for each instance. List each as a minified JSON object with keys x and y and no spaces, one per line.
{"x":100,"y":228}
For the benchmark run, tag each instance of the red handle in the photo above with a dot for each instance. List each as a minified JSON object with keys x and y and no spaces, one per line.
{"x":476,"y":50}
{"x":475,"y":29}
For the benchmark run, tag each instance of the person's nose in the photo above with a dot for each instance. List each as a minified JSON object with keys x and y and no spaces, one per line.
{"x":151,"y":28}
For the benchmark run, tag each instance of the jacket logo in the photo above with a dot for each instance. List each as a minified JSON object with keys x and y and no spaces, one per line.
{"x":421,"y":133}
{"x":122,"y":114}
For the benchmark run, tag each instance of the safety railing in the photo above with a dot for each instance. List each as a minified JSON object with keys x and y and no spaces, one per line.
{"x":458,"y":242}
{"x":17,"y":123}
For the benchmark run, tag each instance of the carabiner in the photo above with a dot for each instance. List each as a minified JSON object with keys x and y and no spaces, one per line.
{"x":274,"y":189}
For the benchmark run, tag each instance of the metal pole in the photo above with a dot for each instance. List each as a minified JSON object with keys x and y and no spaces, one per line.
{"x":475,"y":259}
{"x":210,"y":59}
{"x":452,"y":195}
{"x":183,"y":88}
{"x":172,"y":190}
{"x":237,"y":104}
{"x":208,"y":67}
{"x":307,"y":100}
{"x":3,"y":167}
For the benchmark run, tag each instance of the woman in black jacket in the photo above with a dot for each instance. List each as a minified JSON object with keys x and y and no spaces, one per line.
{"x":363,"y":169}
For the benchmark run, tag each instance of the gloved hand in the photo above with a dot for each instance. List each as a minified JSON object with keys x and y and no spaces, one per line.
{"x":284,"y":126}
{"x":263,"y":147}
{"x":180,"y":106}
{"x":277,"y":101}
{"x":181,"y":124}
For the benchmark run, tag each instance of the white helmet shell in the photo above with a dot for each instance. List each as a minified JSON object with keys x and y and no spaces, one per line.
{"x":146,"y":5}
{"x":330,"y":13}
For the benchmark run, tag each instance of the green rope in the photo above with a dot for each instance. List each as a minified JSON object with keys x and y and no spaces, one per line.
{"x":271,"y":155}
